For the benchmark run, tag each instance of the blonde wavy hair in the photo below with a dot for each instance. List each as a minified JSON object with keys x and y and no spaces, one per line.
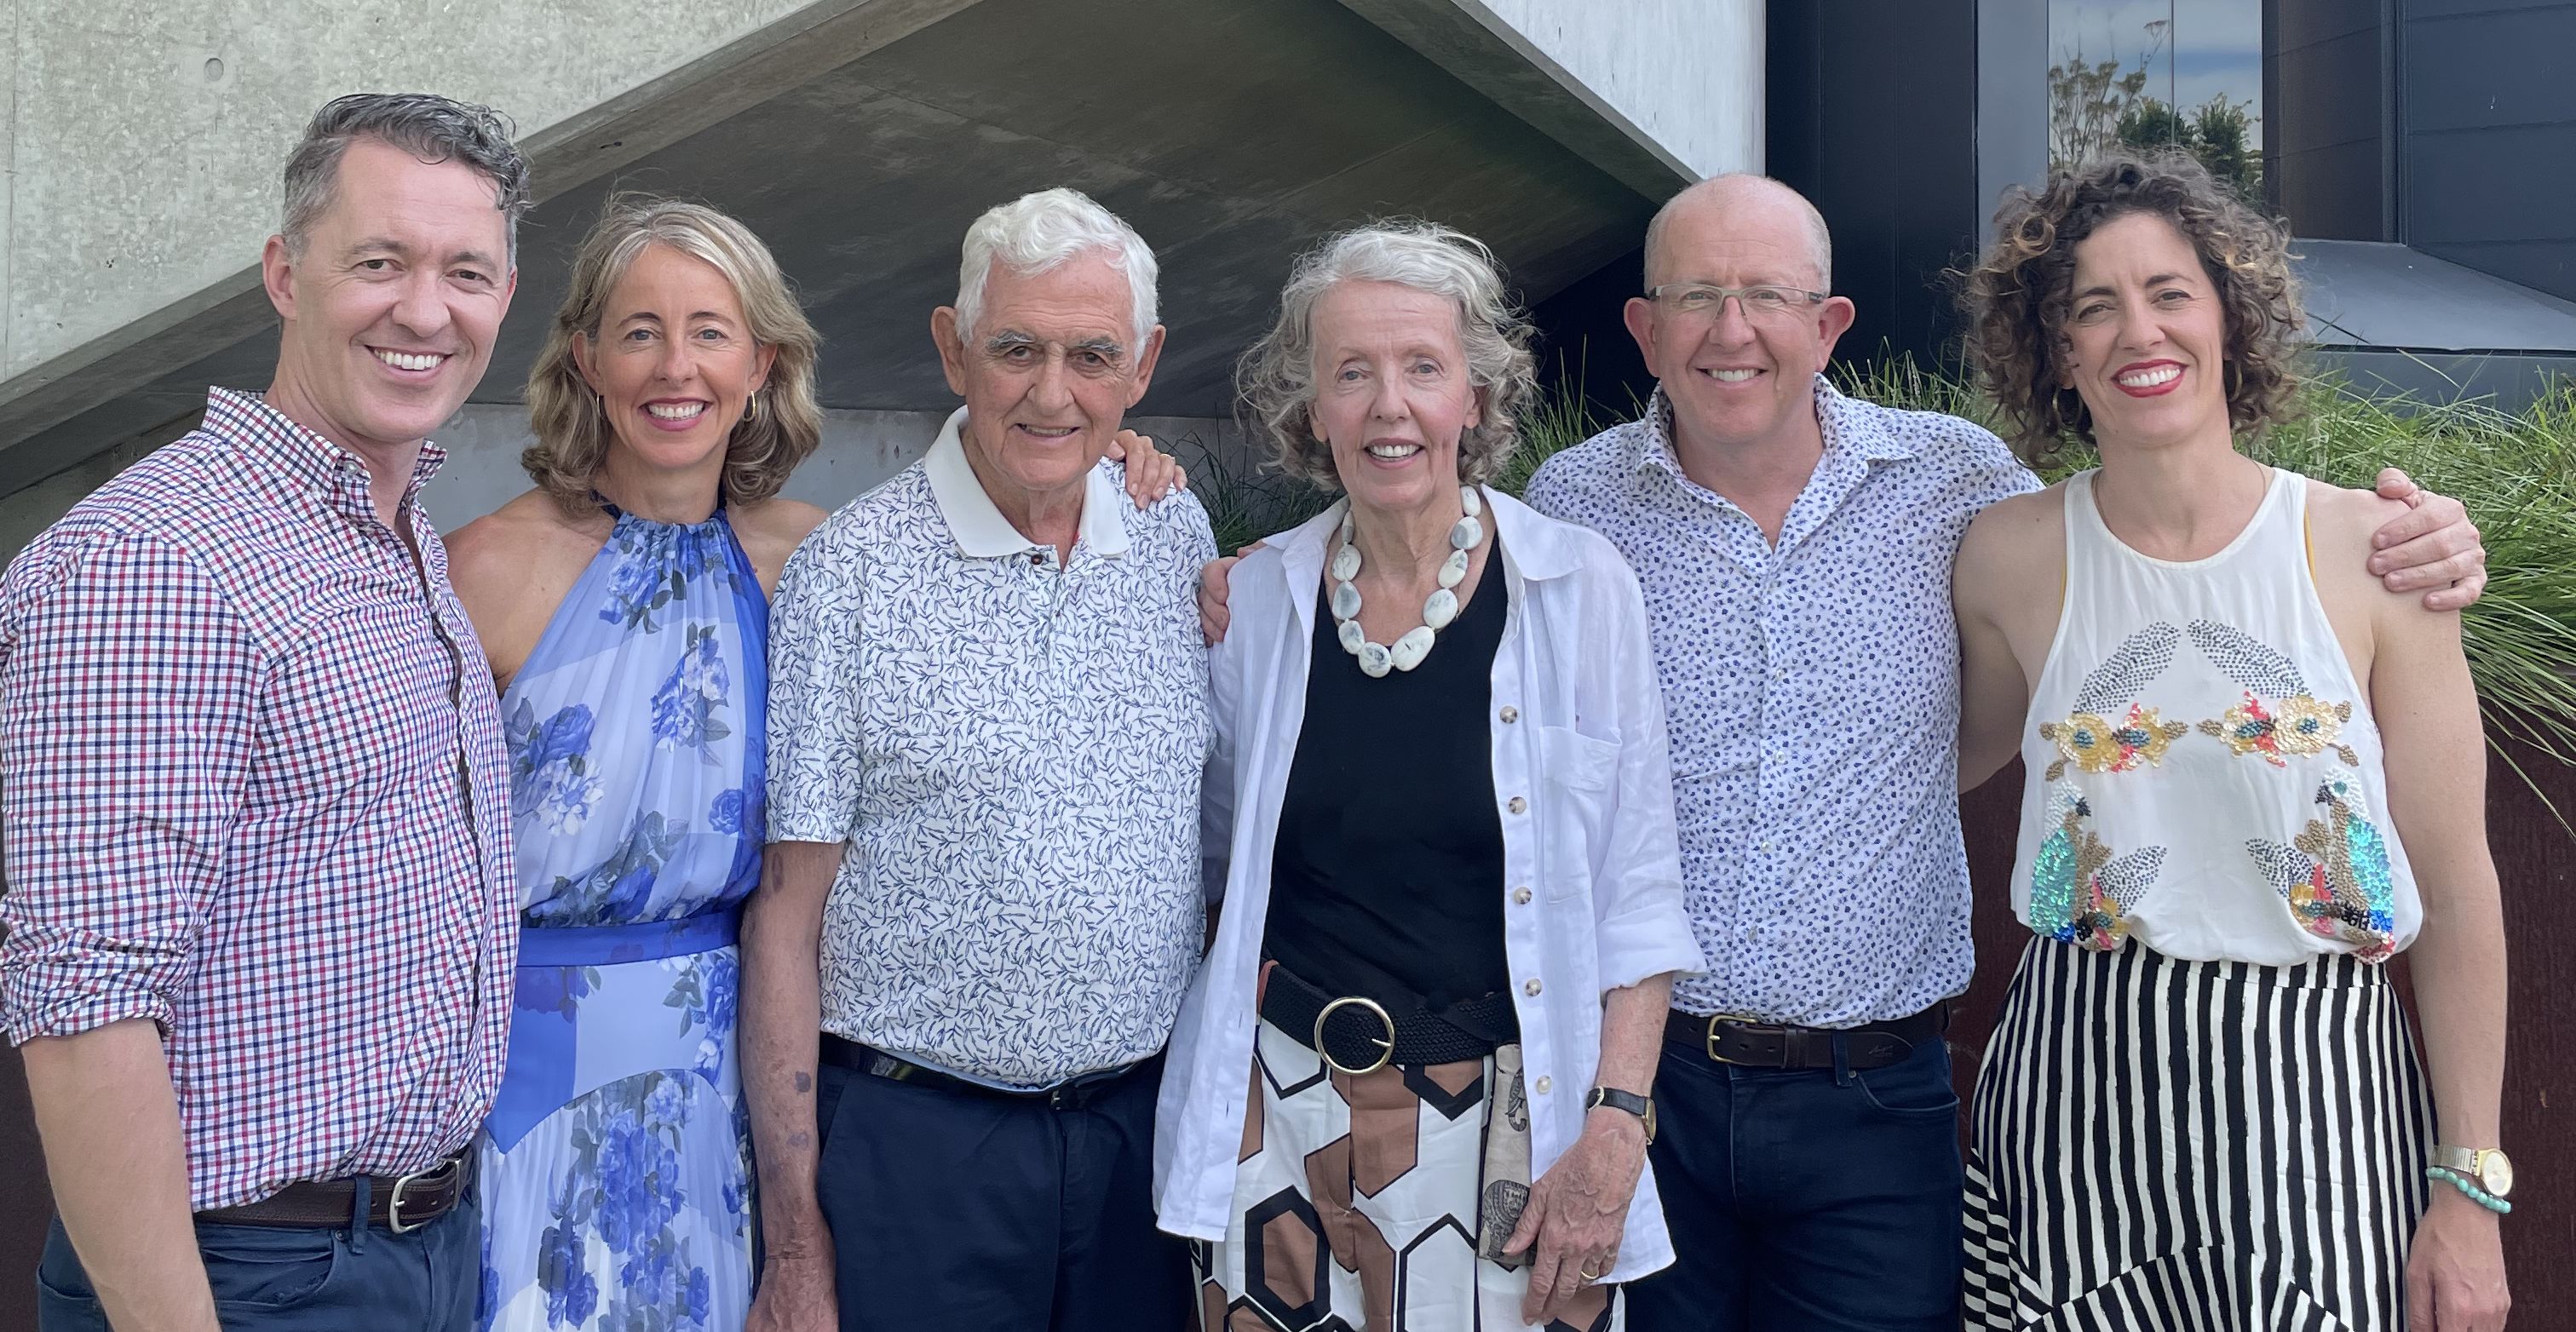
{"x":572,"y":432}
{"x":2017,"y":297}
{"x":1277,"y":375}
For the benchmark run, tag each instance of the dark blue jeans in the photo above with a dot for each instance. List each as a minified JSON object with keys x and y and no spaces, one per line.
{"x":277,"y":1280}
{"x":953,"y":1209}
{"x":1806,"y":1200}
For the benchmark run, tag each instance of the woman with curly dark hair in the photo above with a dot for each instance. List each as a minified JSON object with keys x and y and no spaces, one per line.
{"x":2254,"y":775}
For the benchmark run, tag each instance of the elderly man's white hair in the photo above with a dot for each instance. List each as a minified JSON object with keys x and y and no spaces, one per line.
{"x":1743,"y":185}
{"x":1037,"y":232}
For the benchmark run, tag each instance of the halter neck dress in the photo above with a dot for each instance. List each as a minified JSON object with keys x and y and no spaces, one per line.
{"x":616,"y":1163}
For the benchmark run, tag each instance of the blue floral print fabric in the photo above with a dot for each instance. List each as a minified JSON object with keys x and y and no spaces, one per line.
{"x":616,"y":1165}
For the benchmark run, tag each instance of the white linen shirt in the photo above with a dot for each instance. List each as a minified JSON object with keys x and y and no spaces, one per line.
{"x":1591,"y":866}
{"x":1010,"y":744}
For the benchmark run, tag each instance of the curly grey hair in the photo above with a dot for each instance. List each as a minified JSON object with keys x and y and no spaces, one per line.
{"x":426,"y":125}
{"x":1277,"y":375}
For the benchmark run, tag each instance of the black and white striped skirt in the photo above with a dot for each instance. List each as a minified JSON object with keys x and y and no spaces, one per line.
{"x":2194,"y":1145}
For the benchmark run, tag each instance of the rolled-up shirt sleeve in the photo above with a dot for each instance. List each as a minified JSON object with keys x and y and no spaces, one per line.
{"x":814,"y":664}
{"x":1637,"y":902}
{"x":129,"y":708}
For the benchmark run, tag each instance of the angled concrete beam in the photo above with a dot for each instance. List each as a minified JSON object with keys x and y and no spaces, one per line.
{"x":1487,"y":53}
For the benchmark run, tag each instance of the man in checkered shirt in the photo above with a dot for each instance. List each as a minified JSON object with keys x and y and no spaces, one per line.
{"x":253,"y":795}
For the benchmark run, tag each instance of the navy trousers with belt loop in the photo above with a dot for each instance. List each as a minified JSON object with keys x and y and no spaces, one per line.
{"x":954,"y":1209}
{"x":276,"y":1279}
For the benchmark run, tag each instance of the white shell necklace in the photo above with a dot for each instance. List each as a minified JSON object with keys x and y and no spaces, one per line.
{"x":1438,"y":609}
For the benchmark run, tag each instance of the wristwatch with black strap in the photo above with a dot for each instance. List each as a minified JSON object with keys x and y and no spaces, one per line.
{"x":1643,"y":1107}
{"x":2487,"y":1167}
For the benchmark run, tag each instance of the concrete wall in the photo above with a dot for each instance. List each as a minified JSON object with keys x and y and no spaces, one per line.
{"x":142,"y":156}
{"x":1687,"y":72}
{"x":483,"y":441}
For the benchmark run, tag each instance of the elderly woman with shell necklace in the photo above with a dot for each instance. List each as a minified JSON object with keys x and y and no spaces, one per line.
{"x":1440,"y":818}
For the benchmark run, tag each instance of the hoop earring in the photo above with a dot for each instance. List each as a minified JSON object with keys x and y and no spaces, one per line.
{"x":751,"y":409}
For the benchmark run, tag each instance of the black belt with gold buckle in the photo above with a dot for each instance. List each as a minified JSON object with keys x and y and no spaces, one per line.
{"x":1729,"y":1038}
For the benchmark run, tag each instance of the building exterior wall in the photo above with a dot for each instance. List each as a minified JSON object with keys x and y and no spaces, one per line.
{"x":1686,"y":72}
{"x":2488,"y":124}
{"x":859,"y":449}
{"x":146,"y":142}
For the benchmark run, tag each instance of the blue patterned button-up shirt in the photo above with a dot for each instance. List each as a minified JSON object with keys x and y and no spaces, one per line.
{"x":1011,"y":746}
{"x":1812,"y":692}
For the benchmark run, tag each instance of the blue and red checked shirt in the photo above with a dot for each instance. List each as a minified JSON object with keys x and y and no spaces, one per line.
{"x":252,"y":787}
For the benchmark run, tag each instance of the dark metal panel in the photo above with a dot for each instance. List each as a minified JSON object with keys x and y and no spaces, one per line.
{"x":1873,"y":116}
{"x":2499,"y":70}
{"x":2489,"y":123}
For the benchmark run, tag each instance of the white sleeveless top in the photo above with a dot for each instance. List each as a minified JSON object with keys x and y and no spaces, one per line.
{"x":2204,"y":773}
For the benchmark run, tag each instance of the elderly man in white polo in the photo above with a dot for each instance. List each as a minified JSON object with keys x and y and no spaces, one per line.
{"x":983,"y":879}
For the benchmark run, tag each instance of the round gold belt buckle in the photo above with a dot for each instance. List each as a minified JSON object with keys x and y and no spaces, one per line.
{"x":1386,"y":1045}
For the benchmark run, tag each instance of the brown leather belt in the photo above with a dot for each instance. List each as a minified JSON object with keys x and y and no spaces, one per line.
{"x":401,"y":1205}
{"x":1729,"y":1039}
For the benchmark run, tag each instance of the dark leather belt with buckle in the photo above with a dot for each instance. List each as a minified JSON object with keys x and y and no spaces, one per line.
{"x":1069,"y":1094}
{"x":401,"y":1204}
{"x":1729,"y":1039}
{"x":1357,"y":1035}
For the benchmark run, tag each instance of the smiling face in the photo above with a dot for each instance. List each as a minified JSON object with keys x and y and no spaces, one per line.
{"x":1392,"y":394}
{"x":1048,"y":375}
{"x":2146,"y":337}
{"x":391,"y":307}
{"x":673,"y":362}
{"x":1738,"y":380}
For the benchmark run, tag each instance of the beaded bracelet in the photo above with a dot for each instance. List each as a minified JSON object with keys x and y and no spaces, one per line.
{"x":2468,"y":1186}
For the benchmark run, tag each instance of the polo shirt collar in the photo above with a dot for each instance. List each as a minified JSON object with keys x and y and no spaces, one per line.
{"x":977,"y":523}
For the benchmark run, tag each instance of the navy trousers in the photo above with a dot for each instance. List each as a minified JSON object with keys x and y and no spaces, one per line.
{"x":953,"y":1209}
{"x":1811,"y":1199}
{"x":278,"y":1280}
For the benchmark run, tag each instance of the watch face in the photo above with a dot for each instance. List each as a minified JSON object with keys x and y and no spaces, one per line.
{"x":2495,"y":1173}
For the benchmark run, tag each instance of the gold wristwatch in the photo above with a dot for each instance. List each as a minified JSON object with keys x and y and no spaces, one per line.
{"x":2489,"y":1167}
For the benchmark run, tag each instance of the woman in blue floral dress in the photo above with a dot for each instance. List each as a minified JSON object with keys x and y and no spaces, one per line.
{"x":625,"y":607}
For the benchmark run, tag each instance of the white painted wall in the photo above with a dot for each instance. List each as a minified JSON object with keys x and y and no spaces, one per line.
{"x":1687,"y":72}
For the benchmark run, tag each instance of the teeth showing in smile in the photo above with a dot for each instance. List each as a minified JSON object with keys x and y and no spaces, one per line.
{"x":409,"y":360}
{"x":2163,"y":374}
{"x":676,"y":411}
{"x":1391,"y":452}
{"x":1732,"y":376}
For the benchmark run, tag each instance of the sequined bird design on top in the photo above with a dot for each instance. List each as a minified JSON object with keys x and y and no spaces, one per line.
{"x":2335,"y":875}
{"x":2089,"y":739}
{"x":2279,"y":718}
{"x":2080,"y":892}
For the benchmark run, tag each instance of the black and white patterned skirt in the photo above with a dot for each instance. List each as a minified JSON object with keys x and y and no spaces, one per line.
{"x":2212,"y":1146}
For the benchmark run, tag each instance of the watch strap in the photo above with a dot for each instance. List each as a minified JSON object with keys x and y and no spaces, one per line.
{"x":1641,"y":1107}
{"x":2462,"y":1159}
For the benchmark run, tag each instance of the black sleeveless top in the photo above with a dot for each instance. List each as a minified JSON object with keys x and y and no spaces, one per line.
{"x":1387,"y":878}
